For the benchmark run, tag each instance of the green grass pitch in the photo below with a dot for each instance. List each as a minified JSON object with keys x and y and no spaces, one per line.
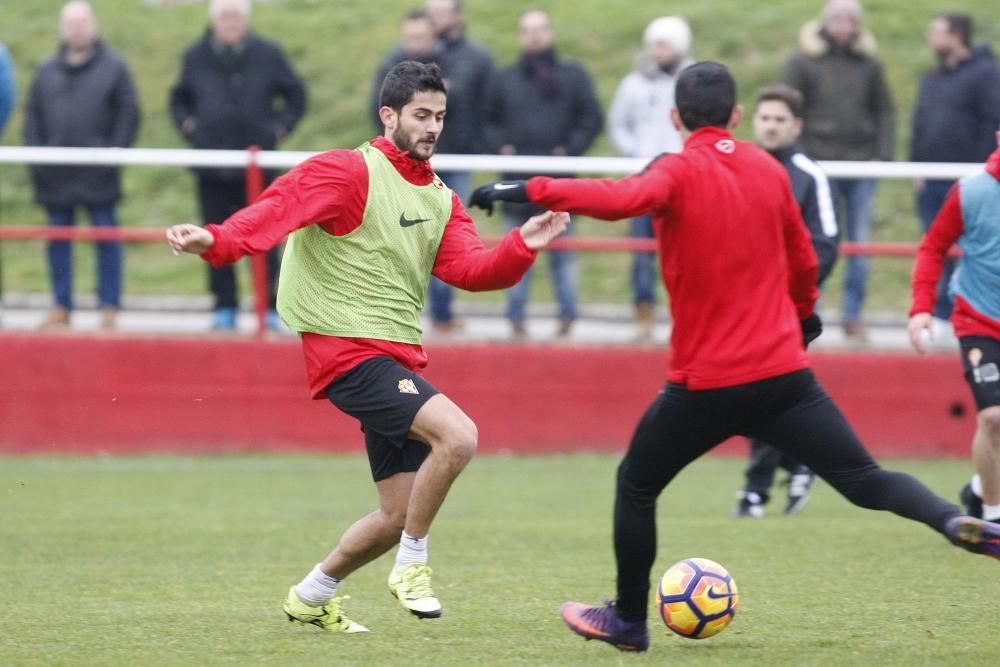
{"x":185,"y":561}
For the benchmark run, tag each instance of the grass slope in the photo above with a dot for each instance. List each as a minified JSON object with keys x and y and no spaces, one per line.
{"x":170,"y":560}
{"x":336,"y":45}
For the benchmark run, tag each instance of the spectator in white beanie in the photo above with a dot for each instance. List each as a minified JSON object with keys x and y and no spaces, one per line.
{"x":639,"y":124}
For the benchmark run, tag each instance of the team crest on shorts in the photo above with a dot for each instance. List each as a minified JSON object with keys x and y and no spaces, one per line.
{"x":407,"y":387}
{"x":985,"y":373}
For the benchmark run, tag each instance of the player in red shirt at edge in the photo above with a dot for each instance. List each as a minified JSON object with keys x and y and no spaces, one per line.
{"x":970,"y":217}
{"x":741,"y":274}
{"x":368,"y":228}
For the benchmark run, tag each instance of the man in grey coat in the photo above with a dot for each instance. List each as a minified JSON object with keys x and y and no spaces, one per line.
{"x":83,"y":96}
{"x":848,"y":115}
{"x":639,"y":127}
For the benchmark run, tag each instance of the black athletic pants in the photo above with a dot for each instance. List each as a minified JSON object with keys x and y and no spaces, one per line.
{"x":219,"y":198}
{"x":791,"y":412}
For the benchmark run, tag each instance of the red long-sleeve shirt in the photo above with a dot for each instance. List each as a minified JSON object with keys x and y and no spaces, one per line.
{"x":735,"y":255}
{"x":331,"y":190}
{"x":945,"y":231}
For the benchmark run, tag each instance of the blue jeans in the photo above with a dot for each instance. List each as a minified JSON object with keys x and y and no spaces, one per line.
{"x":854,"y":197}
{"x":109,"y":259}
{"x":643,"y":263}
{"x":564,"y":279}
{"x":929,"y":202}
{"x":440,"y":293}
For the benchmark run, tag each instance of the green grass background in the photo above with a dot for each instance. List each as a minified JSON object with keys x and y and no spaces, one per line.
{"x":165,"y":560}
{"x":336,"y":45}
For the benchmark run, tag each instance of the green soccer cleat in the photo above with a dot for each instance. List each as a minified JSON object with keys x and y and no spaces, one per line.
{"x":411,"y":585}
{"x":329,"y":617}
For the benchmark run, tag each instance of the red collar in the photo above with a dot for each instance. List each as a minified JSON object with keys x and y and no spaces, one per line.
{"x":993,"y":165}
{"x":707,"y":136}
{"x":418,"y":172}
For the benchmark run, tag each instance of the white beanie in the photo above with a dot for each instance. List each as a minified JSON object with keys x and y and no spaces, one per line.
{"x":670,"y":30}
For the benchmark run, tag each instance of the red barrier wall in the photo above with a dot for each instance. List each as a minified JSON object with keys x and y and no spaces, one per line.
{"x":84,"y":394}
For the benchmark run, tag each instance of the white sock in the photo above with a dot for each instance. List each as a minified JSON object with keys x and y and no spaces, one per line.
{"x":317,"y":588}
{"x":411,"y":550}
{"x":991,"y":512}
{"x":977,"y":485}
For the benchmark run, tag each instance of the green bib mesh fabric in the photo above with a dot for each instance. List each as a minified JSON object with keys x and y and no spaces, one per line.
{"x":370,"y":283}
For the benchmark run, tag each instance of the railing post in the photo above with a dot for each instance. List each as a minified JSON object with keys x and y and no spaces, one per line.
{"x":258,"y":263}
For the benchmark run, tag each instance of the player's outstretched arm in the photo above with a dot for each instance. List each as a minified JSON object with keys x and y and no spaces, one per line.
{"x":539,"y":230}
{"x":510,"y":191}
{"x":919,"y":323}
{"x":189,"y":238}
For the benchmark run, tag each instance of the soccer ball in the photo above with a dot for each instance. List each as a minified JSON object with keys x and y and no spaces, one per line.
{"x":697,"y":598}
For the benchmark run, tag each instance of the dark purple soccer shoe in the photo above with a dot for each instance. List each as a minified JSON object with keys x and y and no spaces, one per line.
{"x":975,"y":535}
{"x":603,"y":623}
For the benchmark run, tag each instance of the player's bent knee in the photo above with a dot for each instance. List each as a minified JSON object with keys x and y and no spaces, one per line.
{"x":462,"y":441}
{"x":989,"y":422}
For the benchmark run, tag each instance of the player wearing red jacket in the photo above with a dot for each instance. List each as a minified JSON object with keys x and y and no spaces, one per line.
{"x":970,"y":217}
{"x":741,"y":272}
{"x":368,"y":228}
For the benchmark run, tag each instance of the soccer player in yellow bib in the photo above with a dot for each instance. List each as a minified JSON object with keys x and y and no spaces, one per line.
{"x":368,"y":227}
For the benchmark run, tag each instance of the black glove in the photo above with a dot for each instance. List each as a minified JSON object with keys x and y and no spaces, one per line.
{"x":812,"y":327}
{"x":512,"y":191}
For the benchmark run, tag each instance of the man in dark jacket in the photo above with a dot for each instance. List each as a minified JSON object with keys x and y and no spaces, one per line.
{"x":417,"y":42}
{"x":957,"y":113}
{"x":83,"y":96}
{"x":236,"y":90}
{"x":777,"y":125}
{"x":542,"y":105}
{"x":848,"y":115}
{"x":467,"y":68}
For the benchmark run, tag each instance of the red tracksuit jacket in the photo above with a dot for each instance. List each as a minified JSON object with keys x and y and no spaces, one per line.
{"x":331,"y":190}
{"x":735,"y":255}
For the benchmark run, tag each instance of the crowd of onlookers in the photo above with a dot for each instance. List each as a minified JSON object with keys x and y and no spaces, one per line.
{"x":237,"y":89}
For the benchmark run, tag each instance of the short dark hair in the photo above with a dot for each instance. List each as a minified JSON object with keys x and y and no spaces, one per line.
{"x":958,"y":24}
{"x":705,"y":95}
{"x":782,"y":92}
{"x":406,"y":80}
{"x":416,"y":15}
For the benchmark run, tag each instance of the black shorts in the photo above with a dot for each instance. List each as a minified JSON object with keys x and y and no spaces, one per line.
{"x":981,"y":360}
{"x":384,"y":397}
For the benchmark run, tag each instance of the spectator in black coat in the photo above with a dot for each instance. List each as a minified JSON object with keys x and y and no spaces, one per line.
{"x":956,"y":118}
{"x":236,"y":90}
{"x":417,"y":42}
{"x":467,"y":68}
{"x":543,"y":105}
{"x":849,"y":115}
{"x":83,"y":96}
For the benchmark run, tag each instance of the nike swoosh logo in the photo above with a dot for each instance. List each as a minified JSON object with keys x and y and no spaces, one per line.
{"x":714,"y":596}
{"x":403,"y":222}
{"x":501,"y":186}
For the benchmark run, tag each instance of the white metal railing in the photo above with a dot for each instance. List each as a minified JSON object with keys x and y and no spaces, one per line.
{"x":526,"y":164}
